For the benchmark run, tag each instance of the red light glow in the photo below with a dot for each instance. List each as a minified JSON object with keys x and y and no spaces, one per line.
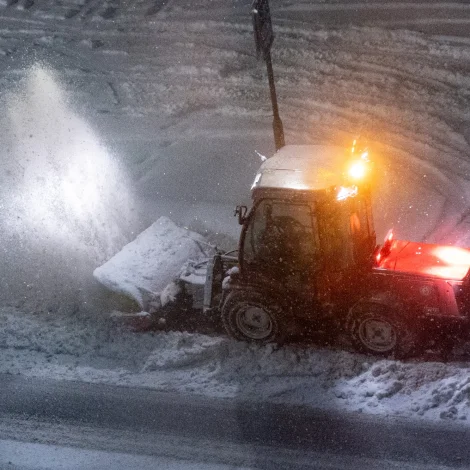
{"x":446,"y":262}
{"x":454,"y":262}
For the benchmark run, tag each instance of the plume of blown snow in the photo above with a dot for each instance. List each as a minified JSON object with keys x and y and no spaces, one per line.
{"x":65,"y":204}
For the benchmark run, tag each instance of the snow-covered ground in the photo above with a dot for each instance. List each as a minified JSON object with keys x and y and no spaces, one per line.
{"x":168,"y":102}
{"x":92,"y":348}
{"x":25,"y":455}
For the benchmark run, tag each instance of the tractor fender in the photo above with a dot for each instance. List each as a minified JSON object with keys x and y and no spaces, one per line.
{"x":412,"y":296}
{"x":386,"y":299}
{"x":395,"y":303}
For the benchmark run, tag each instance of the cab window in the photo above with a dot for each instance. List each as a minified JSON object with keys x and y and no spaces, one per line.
{"x":281,"y":234}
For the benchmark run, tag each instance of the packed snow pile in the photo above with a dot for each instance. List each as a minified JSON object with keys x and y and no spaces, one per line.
{"x":94,"y":349}
{"x":145,"y":266}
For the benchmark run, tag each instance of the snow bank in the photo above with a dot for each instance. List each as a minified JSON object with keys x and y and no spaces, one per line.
{"x":145,"y":266}
{"x":94,"y":349}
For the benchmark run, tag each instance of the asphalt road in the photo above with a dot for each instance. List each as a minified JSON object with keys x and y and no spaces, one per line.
{"x":144,"y":422}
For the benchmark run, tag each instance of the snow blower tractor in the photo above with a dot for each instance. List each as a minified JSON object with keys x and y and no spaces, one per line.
{"x":308,"y":260}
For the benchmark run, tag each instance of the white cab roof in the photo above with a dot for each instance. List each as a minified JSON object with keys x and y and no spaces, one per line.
{"x":308,"y":167}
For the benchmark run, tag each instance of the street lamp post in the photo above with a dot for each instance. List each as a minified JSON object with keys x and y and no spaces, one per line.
{"x":264,"y":37}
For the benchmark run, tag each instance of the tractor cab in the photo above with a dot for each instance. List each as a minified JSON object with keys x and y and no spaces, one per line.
{"x":307,"y":219}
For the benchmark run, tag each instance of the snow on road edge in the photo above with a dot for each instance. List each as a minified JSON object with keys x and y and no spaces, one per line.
{"x":93,"y":349}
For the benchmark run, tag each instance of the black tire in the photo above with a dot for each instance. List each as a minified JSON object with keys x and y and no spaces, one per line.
{"x":375,"y":329}
{"x":249,"y":316}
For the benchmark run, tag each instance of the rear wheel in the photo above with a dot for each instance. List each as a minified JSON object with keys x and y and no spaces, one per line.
{"x":250,"y":316}
{"x":375,"y":329}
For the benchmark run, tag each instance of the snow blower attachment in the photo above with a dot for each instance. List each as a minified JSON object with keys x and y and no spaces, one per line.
{"x":307,"y":260}
{"x":146,"y":269}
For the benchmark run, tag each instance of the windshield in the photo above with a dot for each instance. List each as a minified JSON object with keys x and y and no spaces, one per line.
{"x":277,"y":226}
{"x":141,"y":326}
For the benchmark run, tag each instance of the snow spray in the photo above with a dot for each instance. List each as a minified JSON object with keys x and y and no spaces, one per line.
{"x":65,"y":205}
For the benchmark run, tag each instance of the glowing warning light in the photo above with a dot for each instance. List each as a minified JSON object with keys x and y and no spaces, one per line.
{"x":353,"y":148}
{"x":358,"y":170}
{"x":345,"y":192}
{"x":359,"y":145}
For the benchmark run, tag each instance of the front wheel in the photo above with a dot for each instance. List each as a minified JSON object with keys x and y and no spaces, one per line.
{"x":250,"y":316}
{"x":375,"y":329}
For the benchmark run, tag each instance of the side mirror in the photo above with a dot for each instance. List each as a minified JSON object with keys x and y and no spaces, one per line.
{"x":241,"y":212}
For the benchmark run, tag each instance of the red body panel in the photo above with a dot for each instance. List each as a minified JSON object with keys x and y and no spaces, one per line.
{"x":446,"y":262}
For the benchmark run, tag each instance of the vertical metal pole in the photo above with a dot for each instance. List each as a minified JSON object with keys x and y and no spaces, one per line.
{"x":277,"y":123}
